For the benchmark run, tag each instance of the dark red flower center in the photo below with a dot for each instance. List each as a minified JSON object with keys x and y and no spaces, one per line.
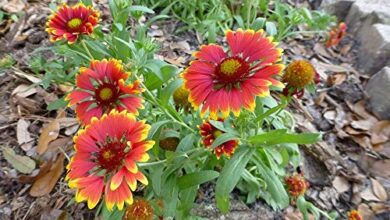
{"x":74,"y":23}
{"x":111,"y":155}
{"x":107,"y":94}
{"x":231,"y":70}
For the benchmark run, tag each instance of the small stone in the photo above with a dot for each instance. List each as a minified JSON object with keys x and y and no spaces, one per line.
{"x":363,"y":10}
{"x":339,"y":8}
{"x":378,"y":90}
{"x":374,"y":52}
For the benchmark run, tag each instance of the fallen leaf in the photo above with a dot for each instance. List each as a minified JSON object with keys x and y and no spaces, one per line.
{"x":380,"y":168}
{"x":360,"y":109}
{"x":49,"y":133}
{"x":44,"y":168}
{"x":14,"y":6}
{"x":320,"y":98}
{"x":380,"y":132}
{"x":369,"y":195}
{"x":23,"y":164}
{"x":23,"y":136}
{"x":330,"y":116}
{"x":362,"y":124}
{"x":31,"y":78}
{"x":340,"y":184}
{"x":353,"y":131}
{"x":45,"y":184}
{"x":379,"y":190}
{"x":336,"y":79}
{"x":24,"y":90}
{"x":379,"y":208}
{"x":365,"y":212}
{"x":362,"y":140}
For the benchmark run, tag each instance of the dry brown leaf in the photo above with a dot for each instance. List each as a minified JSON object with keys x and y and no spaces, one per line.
{"x":320,"y":98}
{"x":379,"y":190}
{"x":60,"y":142}
{"x":369,"y":195}
{"x":49,"y":133}
{"x":336,"y":79}
{"x":24,"y":90}
{"x":43,"y":169}
{"x":362,"y":140}
{"x":330,"y":116}
{"x":365,"y":212}
{"x":45,"y":184}
{"x":340,"y":184}
{"x":360,"y":109}
{"x":65,"y":88}
{"x":380,"y":168}
{"x":23,"y":135}
{"x":379,"y":208}
{"x":380,"y":132}
{"x":352,"y":131}
{"x":31,"y":78}
{"x":14,"y":6}
{"x":364,"y":125}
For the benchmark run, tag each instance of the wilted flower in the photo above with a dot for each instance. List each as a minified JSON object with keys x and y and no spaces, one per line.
{"x":169,"y":143}
{"x":180,"y":97}
{"x":226,"y":81}
{"x":139,"y":210}
{"x":336,"y":35}
{"x":210,"y":133}
{"x":296,"y":185}
{"x":298,"y":74}
{"x":71,"y":21}
{"x":101,"y":88}
{"x":354,"y":215}
{"x":107,"y":151}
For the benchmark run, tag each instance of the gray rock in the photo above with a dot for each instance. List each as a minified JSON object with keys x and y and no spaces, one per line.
{"x":378,"y":91}
{"x":339,"y":8}
{"x":374,"y":52}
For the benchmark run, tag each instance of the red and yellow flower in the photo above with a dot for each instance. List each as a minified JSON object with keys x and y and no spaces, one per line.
{"x":139,"y":210}
{"x":209,"y":133}
{"x":354,"y":215}
{"x":101,"y":88}
{"x":107,"y":151}
{"x":336,"y":35}
{"x":298,"y":75}
{"x":223,"y":81}
{"x":71,"y":21}
{"x":296,"y":185}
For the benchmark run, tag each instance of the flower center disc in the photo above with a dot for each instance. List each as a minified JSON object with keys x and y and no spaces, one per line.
{"x":74,"y":23}
{"x":106,"y":94}
{"x":231,"y":70}
{"x":111,"y":155}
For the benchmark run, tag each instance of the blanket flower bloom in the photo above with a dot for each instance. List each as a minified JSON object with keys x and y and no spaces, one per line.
{"x":336,"y":35}
{"x":298,"y":74}
{"x":296,"y":185}
{"x":210,"y":133}
{"x":224,"y":81}
{"x":105,"y":160}
{"x":139,"y":210}
{"x":71,"y":21}
{"x":354,"y":215}
{"x":101,"y":88}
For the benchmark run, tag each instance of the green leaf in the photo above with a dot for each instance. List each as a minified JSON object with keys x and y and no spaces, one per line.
{"x":301,"y":203}
{"x":141,"y":9}
{"x":57,"y":104}
{"x":230,"y":175}
{"x":186,"y":143}
{"x":280,"y":136}
{"x":87,"y":2}
{"x":271,"y":29}
{"x":23,"y":164}
{"x":196,"y":178}
{"x":258,"y":24}
{"x":155,"y":127}
{"x":225,"y":137}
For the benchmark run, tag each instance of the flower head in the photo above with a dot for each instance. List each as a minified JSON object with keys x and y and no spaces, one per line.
{"x":354,"y":215}
{"x":180,"y":97}
{"x":336,"y":35}
{"x":296,"y":185}
{"x":210,"y":133}
{"x":298,"y":74}
{"x":223,"y":81}
{"x":139,"y":210}
{"x":101,"y":88}
{"x":71,"y":21}
{"x":105,"y":160}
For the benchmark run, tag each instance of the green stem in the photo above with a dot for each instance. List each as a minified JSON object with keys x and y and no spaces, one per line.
{"x":150,"y":94}
{"x":86,"y":49}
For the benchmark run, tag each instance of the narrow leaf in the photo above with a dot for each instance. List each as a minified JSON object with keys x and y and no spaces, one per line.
{"x":196,"y":178}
